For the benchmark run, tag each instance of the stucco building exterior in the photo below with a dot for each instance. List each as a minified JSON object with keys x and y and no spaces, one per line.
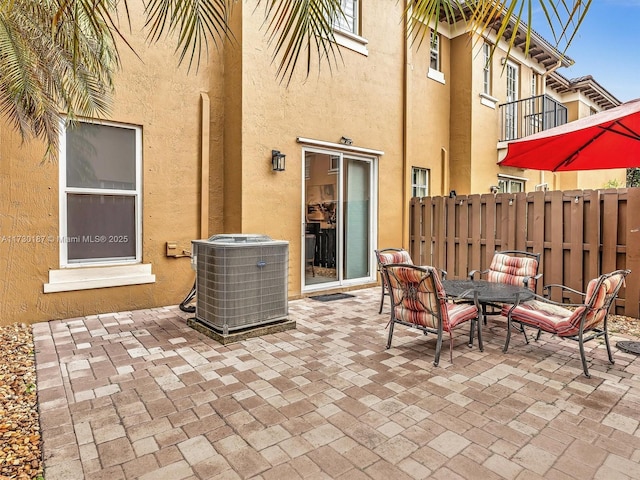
{"x":186,"y":155}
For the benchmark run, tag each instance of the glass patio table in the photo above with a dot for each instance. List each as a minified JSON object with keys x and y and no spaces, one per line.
{"x":489,"y":293}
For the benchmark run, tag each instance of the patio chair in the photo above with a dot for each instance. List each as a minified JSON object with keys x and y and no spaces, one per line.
{"x":583,"y":322}
{"x":418,"y":300}
{"x":515,"y":267}
{"x":384,"y":257}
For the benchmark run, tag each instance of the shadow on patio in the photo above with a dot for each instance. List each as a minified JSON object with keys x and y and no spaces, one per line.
{"x":141,"y":395}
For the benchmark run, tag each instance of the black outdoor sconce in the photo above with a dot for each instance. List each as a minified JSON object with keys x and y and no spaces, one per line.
{"x":277,"y":161}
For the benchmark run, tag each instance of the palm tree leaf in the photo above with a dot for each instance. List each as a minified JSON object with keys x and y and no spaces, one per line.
{"x":194,"y":21}
{"x":297,"y":26}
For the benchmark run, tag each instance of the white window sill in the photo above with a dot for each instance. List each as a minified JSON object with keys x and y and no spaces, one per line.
{"x":351,"y":41}
{"x":488,"y":100}
{"x":436,"y":75}
{"x":68,"y":280}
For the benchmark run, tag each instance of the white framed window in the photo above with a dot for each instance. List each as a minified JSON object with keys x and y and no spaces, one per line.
{"x":100,"y":194}
{"x":349,"y":21}
{"x":434,"y":51}
{"x":534,"y":84}
{"x":510,"y":184}
{"x":347,"y":28}
{"x":334,"y":164}
{"x":419,"y":182}
{"x":435,"y":66}
{"x":486,"y":69}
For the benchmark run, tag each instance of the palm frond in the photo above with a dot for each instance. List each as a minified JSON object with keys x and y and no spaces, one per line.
{"x":195,"y":22}
{"x":51,"y":66}
{"x":301,"y":27}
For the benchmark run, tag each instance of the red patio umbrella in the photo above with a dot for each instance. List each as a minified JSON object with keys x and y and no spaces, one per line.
{"x":609,"y":139}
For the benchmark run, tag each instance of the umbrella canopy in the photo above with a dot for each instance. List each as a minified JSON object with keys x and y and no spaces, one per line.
{"x":609,"y":139}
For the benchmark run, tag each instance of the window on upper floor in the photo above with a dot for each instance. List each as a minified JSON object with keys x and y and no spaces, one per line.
{"x":435,"y":59}
{"x":100,"y":194}
{"x":419,"y":182}
{"x":347,"y":28}
{"x":534,"y":84}
{"x":508,"y":184}
{"x":486,"y":70}
{"x":349,"y":21}
{"x":434,"y":49}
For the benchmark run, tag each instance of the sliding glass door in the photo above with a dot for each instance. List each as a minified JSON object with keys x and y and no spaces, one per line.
{"x":339,"y":206}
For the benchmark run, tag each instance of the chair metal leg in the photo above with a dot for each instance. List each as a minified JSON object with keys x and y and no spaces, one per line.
{"x":436,"y":360}
{"x":382,"y":299}
{"x":471,"y":332}
{"x":584,"y":360}
{"x":480,"y":345}
{"x":392,"y":323}
{"x":606,"y":342}
{"x":506,"y":342}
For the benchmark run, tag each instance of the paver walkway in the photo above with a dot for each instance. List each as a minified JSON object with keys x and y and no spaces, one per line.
{"x":141,"y":395}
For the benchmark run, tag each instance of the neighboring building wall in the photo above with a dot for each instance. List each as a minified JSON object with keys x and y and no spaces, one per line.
{"x":578,"y":106}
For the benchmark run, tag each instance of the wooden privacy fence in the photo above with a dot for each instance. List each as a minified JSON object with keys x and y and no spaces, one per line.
{"x":580,"y":234}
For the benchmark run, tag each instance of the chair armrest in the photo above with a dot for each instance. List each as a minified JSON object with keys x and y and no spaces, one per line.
{"x":472,"y":273}
{"x":444,"y":274}
{"x":547,"y":289}
{"x":525,"y":280}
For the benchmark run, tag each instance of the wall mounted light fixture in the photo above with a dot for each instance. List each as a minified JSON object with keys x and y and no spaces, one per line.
{"x":494,"y":189}
{"x":452,"y":194}
{"x":346,"y":141}
{"x":277,"y":161}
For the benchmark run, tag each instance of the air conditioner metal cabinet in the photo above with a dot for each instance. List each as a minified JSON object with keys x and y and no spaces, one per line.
{"x":241,"y":281}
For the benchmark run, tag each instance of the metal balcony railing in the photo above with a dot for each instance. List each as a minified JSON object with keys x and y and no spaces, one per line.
{"x":530,"y":115}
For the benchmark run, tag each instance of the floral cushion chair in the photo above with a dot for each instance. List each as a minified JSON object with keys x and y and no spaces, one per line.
{"x":418,"y":300}
{"x":514,"y":267}
{"x":585,"y":321}
{"x":386,"y":256}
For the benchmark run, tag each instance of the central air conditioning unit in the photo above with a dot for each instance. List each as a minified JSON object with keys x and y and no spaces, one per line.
{"x":241,"y":281}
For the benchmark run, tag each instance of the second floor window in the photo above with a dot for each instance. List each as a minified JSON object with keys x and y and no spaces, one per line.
{"x":510,"y":185}
{"x":419,"y":182}
{"x":486,"y":72}
{"x":534,"y":84}
{"x":435,"y":52}
{"x":348,"y":21}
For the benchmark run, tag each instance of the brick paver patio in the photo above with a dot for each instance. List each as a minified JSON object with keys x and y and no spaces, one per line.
{"x":141,"y":395}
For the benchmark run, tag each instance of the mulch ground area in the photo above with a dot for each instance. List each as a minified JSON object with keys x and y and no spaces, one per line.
{"x":20,"y":451}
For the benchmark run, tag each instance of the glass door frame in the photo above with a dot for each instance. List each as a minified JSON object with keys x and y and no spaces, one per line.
{"x":373,"y":219}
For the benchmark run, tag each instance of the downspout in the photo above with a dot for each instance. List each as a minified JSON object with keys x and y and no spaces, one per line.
{"x":205,"y":122}
{"x":406,"y":123}
{"x":445,"y":175}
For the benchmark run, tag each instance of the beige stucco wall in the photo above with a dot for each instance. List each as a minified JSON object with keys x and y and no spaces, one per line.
{"x":360,"y":99}
{"x":230,"y":114}
{"x":461,"y":115}
{"x":165,"y":101}
{"x":428,"y":118}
